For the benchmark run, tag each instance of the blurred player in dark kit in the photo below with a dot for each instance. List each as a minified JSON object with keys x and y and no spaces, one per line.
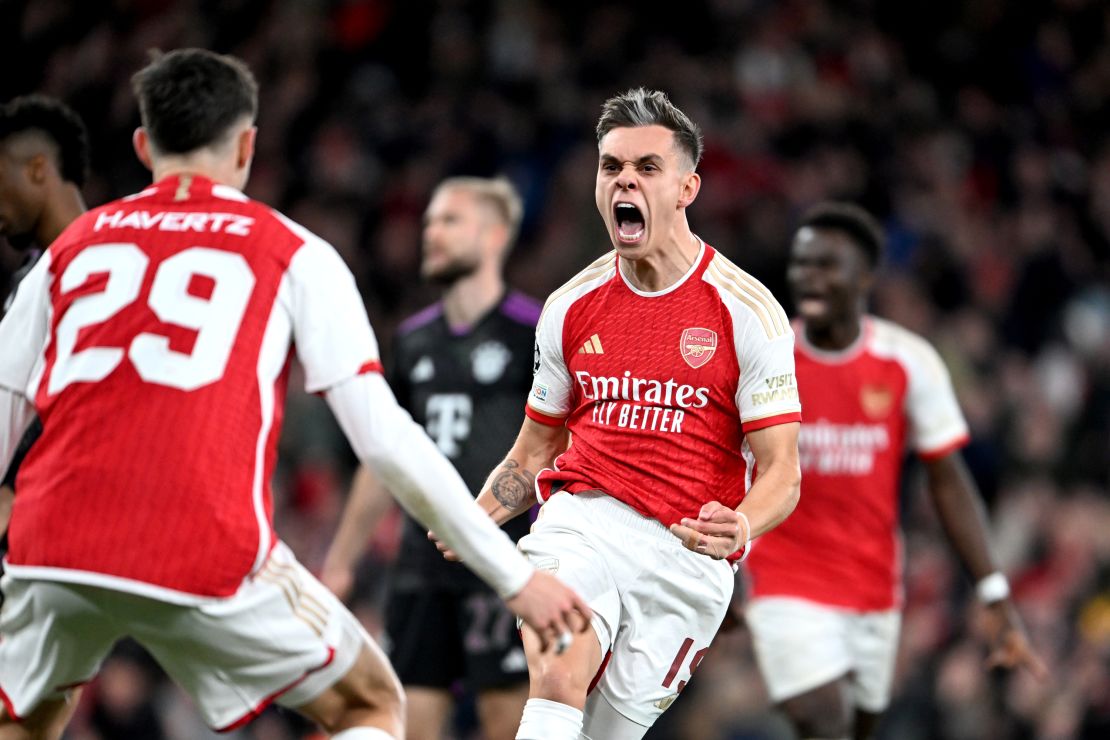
{"x":460,"y":367}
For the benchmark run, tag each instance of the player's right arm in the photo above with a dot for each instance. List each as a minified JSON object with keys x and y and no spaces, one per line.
{"x":339,"y":352}
{"x":510,"y":489}
{"x":367,"y":503}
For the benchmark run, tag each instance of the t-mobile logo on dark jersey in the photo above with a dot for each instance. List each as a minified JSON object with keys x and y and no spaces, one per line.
{"x":448,"y":421}
{"x":647,"y":390}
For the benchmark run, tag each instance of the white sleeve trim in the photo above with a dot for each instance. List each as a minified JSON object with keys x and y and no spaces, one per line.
{"x":936,"y":421}
{"x":331,"y":332}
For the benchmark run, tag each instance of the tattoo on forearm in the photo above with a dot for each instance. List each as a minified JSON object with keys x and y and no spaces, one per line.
{"x":513,"y":486}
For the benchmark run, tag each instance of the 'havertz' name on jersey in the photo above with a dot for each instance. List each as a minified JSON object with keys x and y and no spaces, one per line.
{"x":212,"y":223}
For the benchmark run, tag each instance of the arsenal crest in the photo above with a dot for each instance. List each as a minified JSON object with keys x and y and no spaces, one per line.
{"x":876,"y":400}
{"x":697,"y":346}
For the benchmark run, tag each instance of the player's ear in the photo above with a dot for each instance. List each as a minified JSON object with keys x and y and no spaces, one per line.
{"x":37,"y":169}
{"x":497,"y":237}
{"x":691,"y":185}
{"x":866,"y":279}
{"x":141,"y":142}
{"x":245,"y":147}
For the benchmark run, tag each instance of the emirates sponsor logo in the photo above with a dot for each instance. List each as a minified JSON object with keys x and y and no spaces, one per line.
{"x":841,"y":449}
{"x":697,"y":346}
{"x":646,"y":390}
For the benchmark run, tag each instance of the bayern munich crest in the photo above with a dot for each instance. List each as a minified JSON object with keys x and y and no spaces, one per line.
{"x":697,"y":346}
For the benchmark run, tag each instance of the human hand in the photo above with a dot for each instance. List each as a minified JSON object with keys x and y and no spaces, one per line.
{"x":717,"y":532}
{"x":552,"y":609}
{"x":340,"y":580}
{"x":444,"y":550}
{"x":1010,"y":646}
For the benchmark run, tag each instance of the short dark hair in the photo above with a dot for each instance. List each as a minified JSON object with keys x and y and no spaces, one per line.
{"x":190,"y":98}
{"x":643,"y":107}
{"x":860,"y":226}
{"x":56,"y":121}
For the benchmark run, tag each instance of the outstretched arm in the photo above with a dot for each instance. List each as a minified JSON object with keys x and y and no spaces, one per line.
{"x":396,"y":448}
{"x":720,"y":531}
{"x":367,"y":502}
{"x":964,"y":519}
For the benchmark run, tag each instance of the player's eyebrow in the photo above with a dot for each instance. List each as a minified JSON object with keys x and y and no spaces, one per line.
{"x":646,"y":159}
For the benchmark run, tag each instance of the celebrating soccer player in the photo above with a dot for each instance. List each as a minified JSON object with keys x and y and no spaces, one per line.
{"x":673,"y":373}
{"x":826,"y":585}
{"x":153,"y":339}
{"x":460,"y":367}
{"x":44,"y":157}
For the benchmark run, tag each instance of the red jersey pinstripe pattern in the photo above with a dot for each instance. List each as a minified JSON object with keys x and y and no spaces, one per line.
{"x":658,"y":389}
{"x":864,"y":406}
{"x":152,"y":473}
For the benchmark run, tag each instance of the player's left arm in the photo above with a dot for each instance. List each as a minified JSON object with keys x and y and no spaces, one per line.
{"x":939,"y":431}
{"x":964,"y":519}
{"x":720,"y":531}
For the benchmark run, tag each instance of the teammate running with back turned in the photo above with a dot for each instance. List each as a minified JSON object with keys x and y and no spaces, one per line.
{"x":153,"y":340}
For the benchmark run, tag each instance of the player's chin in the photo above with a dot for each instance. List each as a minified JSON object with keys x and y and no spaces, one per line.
{"x":630,"y":246}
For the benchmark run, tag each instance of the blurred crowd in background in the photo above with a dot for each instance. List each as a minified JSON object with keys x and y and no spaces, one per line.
{"x":977,"y":130}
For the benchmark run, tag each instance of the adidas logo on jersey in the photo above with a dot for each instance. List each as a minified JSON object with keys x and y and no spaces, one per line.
{"x":592,"y":346}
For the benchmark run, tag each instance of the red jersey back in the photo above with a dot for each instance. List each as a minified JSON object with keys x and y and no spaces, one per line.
{"x":160,"y":377}
{"x":864,"y":406}
{"x":658,"y":389}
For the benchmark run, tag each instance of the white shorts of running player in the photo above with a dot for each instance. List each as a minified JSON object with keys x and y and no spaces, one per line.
{"x":801,"y":645}
{"x":282,"y":637}
{"x":656,"y":604}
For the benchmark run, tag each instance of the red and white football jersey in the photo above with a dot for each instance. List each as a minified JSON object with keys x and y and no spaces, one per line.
{"x":864,"y":406}
{"x":658,"y":389}
{"x":154,"y":338}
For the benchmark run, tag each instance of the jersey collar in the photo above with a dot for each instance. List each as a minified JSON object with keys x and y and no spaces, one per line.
{"x":694,"y":268}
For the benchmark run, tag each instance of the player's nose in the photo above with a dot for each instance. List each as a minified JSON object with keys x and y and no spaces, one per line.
{"x":626,"y":180}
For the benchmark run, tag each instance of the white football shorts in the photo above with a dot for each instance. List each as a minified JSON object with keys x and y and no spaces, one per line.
{"x":802,"y":644}
{"x":282,"y":637}
{"x":657,"y":605}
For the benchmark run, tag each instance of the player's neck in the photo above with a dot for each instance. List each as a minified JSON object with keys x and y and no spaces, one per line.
{"x":662,"y":268}
{"x":219,"y":170}
{"x":835,"y":336}
{"x":62,"y":209}
{"x":472,"y":297}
